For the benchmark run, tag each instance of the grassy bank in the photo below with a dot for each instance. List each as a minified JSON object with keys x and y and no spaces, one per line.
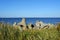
{"x":8,"y":32}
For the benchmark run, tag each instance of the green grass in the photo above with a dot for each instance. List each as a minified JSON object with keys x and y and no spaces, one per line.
{"x":8,"y":32}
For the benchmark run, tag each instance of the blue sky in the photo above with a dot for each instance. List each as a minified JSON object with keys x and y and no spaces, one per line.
{"x":29,"y":8}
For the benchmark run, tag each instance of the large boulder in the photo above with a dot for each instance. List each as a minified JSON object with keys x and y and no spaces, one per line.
{"x":42,"y":25}
{"x":30,"y":26}
{"x":51,"y":25}
{"x":22,"y":24}
{"x":39,"y":24}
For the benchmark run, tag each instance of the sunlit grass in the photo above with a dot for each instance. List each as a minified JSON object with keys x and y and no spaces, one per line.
{"x":8,"y":32}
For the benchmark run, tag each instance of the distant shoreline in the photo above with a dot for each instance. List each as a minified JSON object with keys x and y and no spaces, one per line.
{"x":31,"y":20}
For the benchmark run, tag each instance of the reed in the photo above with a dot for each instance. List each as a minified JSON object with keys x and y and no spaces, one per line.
{"x":8,"y":32}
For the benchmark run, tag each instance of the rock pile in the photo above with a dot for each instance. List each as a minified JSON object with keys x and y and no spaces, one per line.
{"x":38,"y":25}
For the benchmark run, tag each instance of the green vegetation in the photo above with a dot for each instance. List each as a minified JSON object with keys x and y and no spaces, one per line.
{"x":58,"y":27}
{"x":8,"y":32}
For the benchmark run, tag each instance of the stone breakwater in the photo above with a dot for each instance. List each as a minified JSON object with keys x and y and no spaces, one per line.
{"x":38,"y":25}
